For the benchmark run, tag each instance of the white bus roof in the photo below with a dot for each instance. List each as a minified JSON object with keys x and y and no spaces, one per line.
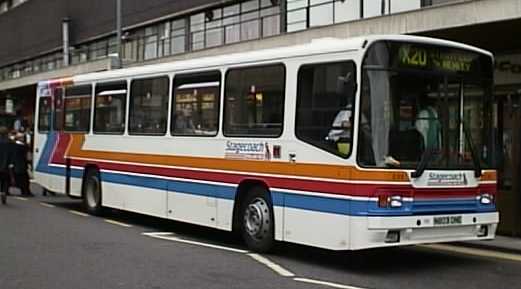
{"x":317,"y":46}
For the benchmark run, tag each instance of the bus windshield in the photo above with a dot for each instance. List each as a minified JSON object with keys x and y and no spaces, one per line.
{"x":425,"y":106}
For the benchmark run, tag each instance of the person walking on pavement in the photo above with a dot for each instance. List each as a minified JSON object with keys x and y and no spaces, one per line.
{"x":19,"y":165}
{"x":5,"y":161}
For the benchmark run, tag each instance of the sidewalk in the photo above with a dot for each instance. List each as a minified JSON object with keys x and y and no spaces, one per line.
{"x":500,"y":243}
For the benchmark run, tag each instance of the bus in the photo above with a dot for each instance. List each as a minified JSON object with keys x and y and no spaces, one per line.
{"x":342,"y":144}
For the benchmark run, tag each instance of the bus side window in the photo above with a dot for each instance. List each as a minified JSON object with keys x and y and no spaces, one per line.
{"x":44,"y":114}
{"x":195,"y":104}
{"x":58,"y":108}
{"x":254,"y":101}
{"x":110,"y":107}
{"x":148,"y":106}
{"x":76,"y":110}
{"x":325,"y":106}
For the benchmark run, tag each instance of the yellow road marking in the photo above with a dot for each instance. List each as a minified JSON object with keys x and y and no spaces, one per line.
{"x":78,"y":213}
{"x":474,"y":252}
{"x":47,"y":205}
{"x":117,"y":223}
{"x":325,"y":283}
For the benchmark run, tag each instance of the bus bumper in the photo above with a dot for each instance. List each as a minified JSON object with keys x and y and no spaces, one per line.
{"x":373,"y":232}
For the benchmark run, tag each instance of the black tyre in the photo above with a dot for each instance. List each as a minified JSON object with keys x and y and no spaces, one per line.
{"x":4,"y":198}
{"x":256,"y":220}
{"x":92,"y":193}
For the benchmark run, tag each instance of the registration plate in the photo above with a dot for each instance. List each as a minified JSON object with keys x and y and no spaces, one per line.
{"x":447,"y":220}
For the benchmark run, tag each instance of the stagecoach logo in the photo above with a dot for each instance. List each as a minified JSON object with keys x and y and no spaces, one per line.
{"x":247,"y":150}
{"x":447,"y":179}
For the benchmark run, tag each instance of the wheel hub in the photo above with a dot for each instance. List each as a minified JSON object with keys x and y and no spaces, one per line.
{"x":257,"y":218}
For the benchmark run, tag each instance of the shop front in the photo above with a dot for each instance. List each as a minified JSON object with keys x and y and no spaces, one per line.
{"x":17,"y":103}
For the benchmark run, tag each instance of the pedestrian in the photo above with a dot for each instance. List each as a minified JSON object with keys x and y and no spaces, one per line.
{"x":18,"y":124}
{"x":5,"y":160}
{"x":20,"y":165}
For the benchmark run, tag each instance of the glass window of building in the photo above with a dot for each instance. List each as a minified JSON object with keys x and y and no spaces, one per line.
{"x":325,"y":102}
{"x":320,"y":12}
{"x":231,"y":22}
{"x":239,"y":22}
{"x":250,"y":20}
{"x":270,"y":18}
{"x":302,"y":14}
{"x":214,"y":28}
{"x":148,"y":106}
{"x":346,"y":11}
{"x":178,"y":36}
{"x":77,"y":106}
{"x":98,"y":49}
{"x":404,"y":5}
{"x":297,"y":15}
{"x":254,"y":101}
{"x":195,"y":105}
{"x":151,"y":42}
{"x":110,"y":107}
{"x":164,"y":39}
{"x":197,"y":31}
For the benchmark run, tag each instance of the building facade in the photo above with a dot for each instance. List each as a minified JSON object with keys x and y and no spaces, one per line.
{"x":51,"y":39}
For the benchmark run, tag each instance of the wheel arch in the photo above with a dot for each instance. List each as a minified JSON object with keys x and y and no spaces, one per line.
{"x":86,"y":170}
{"x":242,"y":190}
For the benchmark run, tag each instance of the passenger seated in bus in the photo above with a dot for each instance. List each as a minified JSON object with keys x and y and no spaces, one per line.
{"x":341,"y":131}
{"x":183,"y":122}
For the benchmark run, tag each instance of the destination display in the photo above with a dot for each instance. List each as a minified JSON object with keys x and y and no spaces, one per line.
{"x":436,"y":58}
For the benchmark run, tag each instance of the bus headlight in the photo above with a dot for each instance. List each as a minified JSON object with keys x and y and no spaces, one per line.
{"x":486,"y":199}
{"x":390,"y":201}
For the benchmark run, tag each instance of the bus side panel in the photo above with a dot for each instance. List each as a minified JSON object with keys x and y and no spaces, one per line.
{"x":192,"y":208}
{"x":224,"y":214}
{"x":50,"y":176}
{"x":134,"y":193}
{"x":76,"y":185}
{"x":112,"y":195}
{"x":325,"y":230}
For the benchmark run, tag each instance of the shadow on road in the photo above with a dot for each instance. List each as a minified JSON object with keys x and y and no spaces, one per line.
{"x":382,"y":262}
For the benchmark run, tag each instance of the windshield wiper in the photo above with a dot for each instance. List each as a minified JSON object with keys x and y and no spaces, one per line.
{"x":475,"y":157}
{"x":422,"y":165}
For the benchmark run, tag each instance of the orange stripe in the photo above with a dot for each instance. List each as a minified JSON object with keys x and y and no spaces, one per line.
{"x":489,"y":176}
{"x":277,"y":168}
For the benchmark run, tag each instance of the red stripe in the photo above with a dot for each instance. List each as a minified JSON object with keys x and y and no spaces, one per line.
{"x":362,"y":190}
{"x":60,"y":148}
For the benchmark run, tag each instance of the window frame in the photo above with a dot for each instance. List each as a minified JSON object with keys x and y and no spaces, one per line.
{"x":125,"y":106}
{"x":64,"y":98}
{"x":353,"y":105}
{"x":220,"y":97}
{"x":130,"y":104}
{"x":283,"y":102}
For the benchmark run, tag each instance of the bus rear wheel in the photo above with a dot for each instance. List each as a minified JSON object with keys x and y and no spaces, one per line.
{"x":256,"y":219}
{"x":92,"y":193}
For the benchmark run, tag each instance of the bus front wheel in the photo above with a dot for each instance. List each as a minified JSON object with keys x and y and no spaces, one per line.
{"x":257,"y":226}
{"x":92,"y":193}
